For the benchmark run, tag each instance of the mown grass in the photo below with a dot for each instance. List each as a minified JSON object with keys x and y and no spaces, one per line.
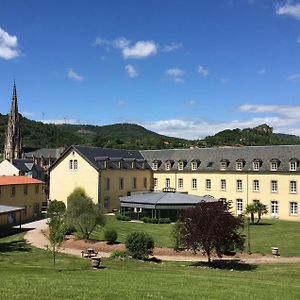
{"x":270,"y":233}
{"x":27,"y":273}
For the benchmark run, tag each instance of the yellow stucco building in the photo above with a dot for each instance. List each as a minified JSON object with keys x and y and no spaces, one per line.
{"x":241,"y":175}
{"x":20,"y":199}
{"x":105,"y":174}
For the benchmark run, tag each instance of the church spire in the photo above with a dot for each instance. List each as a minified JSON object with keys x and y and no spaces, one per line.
{"x":12,"y":147}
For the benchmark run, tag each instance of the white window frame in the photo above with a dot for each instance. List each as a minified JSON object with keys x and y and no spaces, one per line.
{"x":293,"y":187}
{"x":239,"y":206}
{"x":293,"y":166}
{"x":180,"y":165}
{"x":223,"y":184}
{"x":255,"y":166}
{"x":71,"y":164}
{"x":274,"y":166}
{"x":180,"y":183}
{"x":208,"y":184}
{"x":167,"y":166}
{"x":194,"y":165}
{"x":194,"y":183}
{"x":274,"y":208}
{"x":239,"y":185}
{"x":239,"y":166}
{"x":168,"y":182}
{"x":255,"y":185}
{"x":293,"y":208}
{"x":274,"y":186}
{"x":223,"y":165}
{"x":155,"y":182}
{"x":155,"y":166}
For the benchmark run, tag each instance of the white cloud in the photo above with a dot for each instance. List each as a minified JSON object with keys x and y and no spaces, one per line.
{"x":289,"y":9}
{"x":171,"y":47}
{"x":121,"y":103}
{"x":121,"y":42}
{"x":261,"y":72}
{"x":75,"y":76}
{"x":131,"y":71}
{"x":60,"y":121}
{"x":294,"y":77}
{"x":192,"y":103}
{"x":175,"y":74}
{"x":202,"y":71}
{"x":100,"y":42}
{"x":27,"y":113}
{"x":140,"y":49}
{"x":8,"y":45}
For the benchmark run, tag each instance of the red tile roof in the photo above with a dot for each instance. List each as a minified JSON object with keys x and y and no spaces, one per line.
{"x":7,"y":180}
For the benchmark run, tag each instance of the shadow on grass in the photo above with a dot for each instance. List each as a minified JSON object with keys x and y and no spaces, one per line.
{"x":235,"y":265}
{"x":5,"y":232}
{"x":20,"y":246}
{"x":260,"y":224}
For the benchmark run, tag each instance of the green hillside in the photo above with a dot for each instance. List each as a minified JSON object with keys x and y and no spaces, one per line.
{"x":128,"y":136}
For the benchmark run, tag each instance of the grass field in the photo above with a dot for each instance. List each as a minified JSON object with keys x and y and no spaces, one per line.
{"x":27,"y":273}
{"x":271,"y":233}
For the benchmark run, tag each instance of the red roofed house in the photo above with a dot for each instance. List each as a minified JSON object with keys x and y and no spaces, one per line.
{"x":20,"y":199}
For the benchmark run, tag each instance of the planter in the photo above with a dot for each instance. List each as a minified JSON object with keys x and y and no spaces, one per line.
{"x":275,"y":251}
{"x":96,"y":261}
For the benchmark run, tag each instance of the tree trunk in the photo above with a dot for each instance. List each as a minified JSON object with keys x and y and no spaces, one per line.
{"x":252,"y":218}
{"x":54,"y":256}
{"x":259,"y":217}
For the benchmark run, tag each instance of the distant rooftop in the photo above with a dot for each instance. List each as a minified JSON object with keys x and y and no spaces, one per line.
{"x":7,"y":180}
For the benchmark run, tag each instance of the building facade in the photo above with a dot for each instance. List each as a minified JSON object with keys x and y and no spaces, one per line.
{"x":19,"y":192}
{"x":105,"y":174}
{"x":243,"y":175}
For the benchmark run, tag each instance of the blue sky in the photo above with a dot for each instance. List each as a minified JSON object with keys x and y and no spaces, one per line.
{"x":181,"y":68}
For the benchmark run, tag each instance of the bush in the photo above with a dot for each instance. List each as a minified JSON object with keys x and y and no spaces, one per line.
{"x":111,"y":236}
{"x":156,"y":221}
{"x":123,"y":217}
{"x":139,"y":245}
{"x":70,"y":229}
{"x":119,"y":255}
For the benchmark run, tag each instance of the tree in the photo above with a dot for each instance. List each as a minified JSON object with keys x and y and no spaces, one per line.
{"x":83,"y":213}
{"x":211,"y":227}
{"x":56,"y":223}
{"x":256,"y":208}
{"x":176,"y":235}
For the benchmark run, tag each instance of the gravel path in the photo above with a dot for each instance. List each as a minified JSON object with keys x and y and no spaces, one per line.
{"x":37,"y":238}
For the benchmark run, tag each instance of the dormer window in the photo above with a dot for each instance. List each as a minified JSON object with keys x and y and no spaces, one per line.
{"x":224,"y":164}
{"x":119,"y":164}
{"x":293,"y":164}
{"x":155,"y":165}
{"x":194,"y":166}
{"x":180,"y":165}
{"x":168,"y":166}
{"x":239,"y":165}
{"x":255,"y":166}
{"x":105,"y":164}
{"x":274,"y":165}
{"x":132,"y":164}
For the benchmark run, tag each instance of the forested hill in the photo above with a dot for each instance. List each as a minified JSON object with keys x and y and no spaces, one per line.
{"x":126,"y":136}
{"x":261,"y":135}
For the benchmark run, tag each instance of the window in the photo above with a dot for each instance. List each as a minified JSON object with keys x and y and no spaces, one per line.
{"x":239,"y":185}
{"x":155,"y":165}
{"x":37,"y":188}
{"x":194,"y":166}
{"x":293,"y":166}
{"x":223,"y":165}
{"x":106,"y":202}
{"x":132,"y":164}
{"x":121,"y":183}
{"x":208,"y":184}
{"x":194,"y":183}
{"x":13,"y":190}
{"x":168,"y":182}
{"x":168,"y":166}
{"x":223,"y":184}
{"x":107,"y":184}
{"x":239,"y":206}
{"x":255,"y":166}
{"x":239,"y":165}
{"x":293,"y":186}
{"x":36,"y":209}
{"x":180,"y":183}
{"x":134,"y":182}
{"x":274,"y":166}
{"x":274,"y":208}
{"x":73,"y":164}
{"x":274,"y":186}
{"x":293,"y":208}
{"x":155,"y":182}
{"x":145,"y":182}
{"x":255,"y":185}
{"x":180,"y":165}
{"x":25,"y":189}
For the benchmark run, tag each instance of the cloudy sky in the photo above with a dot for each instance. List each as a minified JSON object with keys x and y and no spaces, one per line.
{"x":181,"y":68}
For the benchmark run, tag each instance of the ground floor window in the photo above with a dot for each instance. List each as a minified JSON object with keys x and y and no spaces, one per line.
{"x":168,"y":182}
{"x":274,"y":208}
{"x":180,"y":183}
{"x":106,"y":202}
{"x":155,"y":182}
{"x":239,"y":206}
{"x":35,"y":209}
{"x":208,"y":184}
{"x":194,"y":183}
{"x":293,"y":208}
{"x":12,"y":218}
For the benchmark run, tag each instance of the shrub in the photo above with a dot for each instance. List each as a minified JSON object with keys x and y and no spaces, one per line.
{"x":139,"y":245}
{"x":119,"y":255}
{"x":111,"y":236}
{"x":70,"y":229}
{"x":156,"y":221}
{"x":123,"y":217}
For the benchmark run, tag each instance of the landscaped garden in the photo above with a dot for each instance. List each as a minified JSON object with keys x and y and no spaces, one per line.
{"x":27,"y":273}
{"x":269,"y":233}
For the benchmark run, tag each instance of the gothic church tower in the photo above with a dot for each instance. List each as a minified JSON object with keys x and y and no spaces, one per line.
{"x":12,"y":146}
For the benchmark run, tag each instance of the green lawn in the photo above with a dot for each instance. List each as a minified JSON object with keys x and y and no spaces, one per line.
{"x":271,"y":233}
{"x":27,"y":273}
